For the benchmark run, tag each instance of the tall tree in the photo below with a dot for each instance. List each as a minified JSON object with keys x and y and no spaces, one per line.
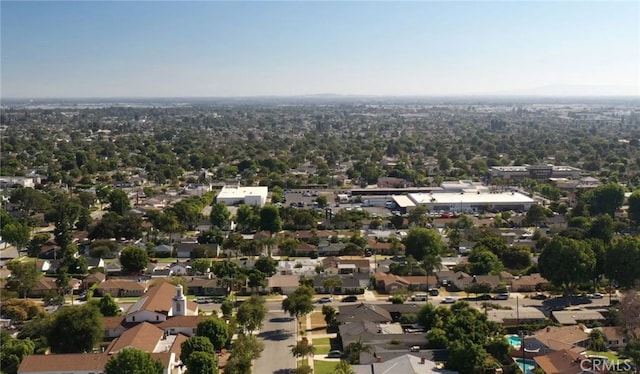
{"x":267,"y":265}
{"x":108,"y":306}
{"x":270,"y":219}
{"x":299,"y":303}
{"x":16,"y":234}
{"x":606,"y":199}
{"x":566,"y":262}
{"x":75,"y":329}
{"x":634,"y":207}
{"x":421,"y":242}
{"x":12,"y":351}
{"x":134,"y":259}
{"x":622,"y":261}
{"x":132,"y":361}
{"x":202,"y":363}
{"x":219,"y":215}
{"x":119,"y":201}
{"x":354,"y":349}
{"x":251,"y":313}
{"x":195,"y":344}
{"x":215,"y":330}
{"x":64,"y":214}
{"x":24,"y":276}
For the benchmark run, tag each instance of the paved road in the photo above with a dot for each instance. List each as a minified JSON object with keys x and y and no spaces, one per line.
{"x":278,"y":335}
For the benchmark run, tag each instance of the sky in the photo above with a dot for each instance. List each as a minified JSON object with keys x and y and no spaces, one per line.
{"x":78,"y":49}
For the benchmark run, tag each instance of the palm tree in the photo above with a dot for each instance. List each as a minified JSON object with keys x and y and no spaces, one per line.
{"x":343,"y":367}
{"x":303,"y":349}
{"x":430,"y":262}
{"x":354,"y":349}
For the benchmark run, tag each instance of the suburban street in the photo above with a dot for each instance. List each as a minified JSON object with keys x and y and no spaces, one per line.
{"x":278,"y":335}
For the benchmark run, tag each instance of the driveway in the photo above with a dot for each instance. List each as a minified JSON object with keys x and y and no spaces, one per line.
{"x":278,"y":335}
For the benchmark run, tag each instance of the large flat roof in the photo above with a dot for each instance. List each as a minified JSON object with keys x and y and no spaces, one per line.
{"x":241,"y":192}
{"x":470,"y":198}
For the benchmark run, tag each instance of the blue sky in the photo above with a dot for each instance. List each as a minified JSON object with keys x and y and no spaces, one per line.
{"x":185,"y":48}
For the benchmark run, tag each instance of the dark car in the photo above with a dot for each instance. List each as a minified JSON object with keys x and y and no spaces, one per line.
{"x":350,"y":299}
{"x":334,"y":354}
{"x":539,"y":296}
{"x":434,"y":292}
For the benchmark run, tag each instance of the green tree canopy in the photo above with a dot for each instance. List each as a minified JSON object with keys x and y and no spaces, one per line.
{"x":201,"y":363}
{"x":270,"y":219}
{"x":606,"y":199}
{"x":634,"y":207}
{"x":132,"y":361}
{"x":108,"y":306}
{"x":251,"y":313}
{"x":195,"y":344}
{"x":219,"y":215}
{"x":16,"y":234}
{"x":622,"y":261}
{"x":24,"y":276}
{"x":75,"y":329}
{"x":566,"y":262}
{"x":12,"y":351}
{"x":134,"y":259}
{"x":421,"y":242}
{"x":216,"y":330}
{"x":299,"y":303}
{"x":118,"y":201}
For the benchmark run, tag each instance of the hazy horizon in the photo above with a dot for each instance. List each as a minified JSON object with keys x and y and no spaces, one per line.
{"x":296,"y":49}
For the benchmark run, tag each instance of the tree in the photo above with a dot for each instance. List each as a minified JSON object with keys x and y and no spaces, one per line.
{"x":134,"y":259}
{"x":195,"y":344}
{"x":201,"y":363}
{"x":201,"y":266}
{"x":622,"y":261}
{"x":518,"y":257}
{"x":482,"y":261}
{"x":536,"y":215}
{"x":20,"y":310}
{"x":354,"y":349}
{"x":299,"y":303}
{"x":343,"y":367}
{"x":75,"y":329}
{"x":36,"y":242}
{"x":303,"y":349}
{"x":632,"y":350}
{"x":606,"y":199}
{"x":216,"y":330}
{"x":597,"y":341}
{"x":418,"y":216}
{"x":267,"y":265}
{"x":246,"y":218}
{"x":329,"y":314}
{"x":219,"y":215}
{"x":16,"y":234}
{"x":466,"y":357}
{"x":331,"y":283}
{"x":226,"y":308}
{"x":245,"y":349}
{"x":566,"y":262}
{"x":256,"y":279}
{"x":251,"y":313}
{"x":64,"y":214}
{"x":270,"y":219}
{"x":602,"y":228}
{"x":132,"y":361}
{"x":24,"y":276}
{"x":421,"y":242}
{"x":118,"y":201}
{"x":12,"y":351}
{"x":108,"y":306}
{"x":634,"y":207}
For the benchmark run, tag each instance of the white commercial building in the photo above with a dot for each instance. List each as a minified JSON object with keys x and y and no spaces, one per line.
{"x":234,"y":195}
{"x":472,"y":202}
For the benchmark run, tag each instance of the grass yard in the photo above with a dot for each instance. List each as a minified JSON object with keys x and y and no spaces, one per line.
{"x":611,"y":356}
{"x":323,"y":345}
{"x":323,"y":367}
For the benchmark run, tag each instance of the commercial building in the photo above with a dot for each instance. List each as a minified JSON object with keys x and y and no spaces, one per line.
{"x":234,"y":195}
{"x":472,"y":202}
{"x":537,"y":172}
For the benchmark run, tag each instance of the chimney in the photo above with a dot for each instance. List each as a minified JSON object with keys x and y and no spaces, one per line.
{"x":422,"y":360}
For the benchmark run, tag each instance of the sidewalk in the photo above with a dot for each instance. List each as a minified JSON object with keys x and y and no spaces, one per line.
{"x":369,"y":296}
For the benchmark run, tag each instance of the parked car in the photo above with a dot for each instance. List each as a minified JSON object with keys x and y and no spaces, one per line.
{"x":350,"y":299}
{"x":324,"y":300}
{"x":502,"y":296}
{"x":334,"y":354}
{"x":419,"y":297}
{"x":434,"y":292}
{"x":448,"y":300}
{"x":597,"y":295}
{"x":539,"y":296}
{"x":414,"y":348}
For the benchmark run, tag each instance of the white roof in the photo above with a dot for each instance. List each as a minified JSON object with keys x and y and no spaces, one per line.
{"x":403,"y":201}
{"x":231,"y":192}
{"x":472,"y":198}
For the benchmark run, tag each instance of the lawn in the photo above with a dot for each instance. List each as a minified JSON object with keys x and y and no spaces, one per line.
{"x":323,"y":345}
{"x":611,"y":356}
{"x":323,"y":367}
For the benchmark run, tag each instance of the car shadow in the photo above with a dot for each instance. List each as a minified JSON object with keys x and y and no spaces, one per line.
{"x":275,"y":335}
{"x":281,"y":319}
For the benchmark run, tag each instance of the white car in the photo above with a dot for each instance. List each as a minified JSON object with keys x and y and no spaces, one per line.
{"x":448,"y":300}
{"x":597,"y":295}
{"x":502,"y":296}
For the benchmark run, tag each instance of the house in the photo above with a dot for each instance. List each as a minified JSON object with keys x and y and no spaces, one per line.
{"x":586,"y":317}
{"x":47,"y":285}
{"x":347,"y":284}
{"x":95,"y":278}
{"x":303,"y":266}
{"x":407,"y":363}
{"x":527,"y":283}
{"x":76,"y":363}
{"x":614,"y":337}
{"x":330,"y":249}
{"x":114,"y":326}
{"x":552,"y":339}
{"x":283,"y":284}
{"x":121,"y":288}
{"x":513,"y":317}
{"x":93,"y":263}
{"x":384,"y":248}
{"x":363,"y":312}
{"x":184,"y":249}
{"x":374,"y":334}
{"x":206,"y":287}
{"x":113,"y":268}
{"x":335,"y":265}
{"x":389,"y":282}
{"x":462,"y":280}
{"x":305,"y":249}
{"x":163,"y":250}
{"x":180,"y":268}
{"x":564,"y":361}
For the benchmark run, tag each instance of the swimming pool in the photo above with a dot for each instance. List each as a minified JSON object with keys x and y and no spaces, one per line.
{"x":529,"y":365}
{"x":515,"y":341}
